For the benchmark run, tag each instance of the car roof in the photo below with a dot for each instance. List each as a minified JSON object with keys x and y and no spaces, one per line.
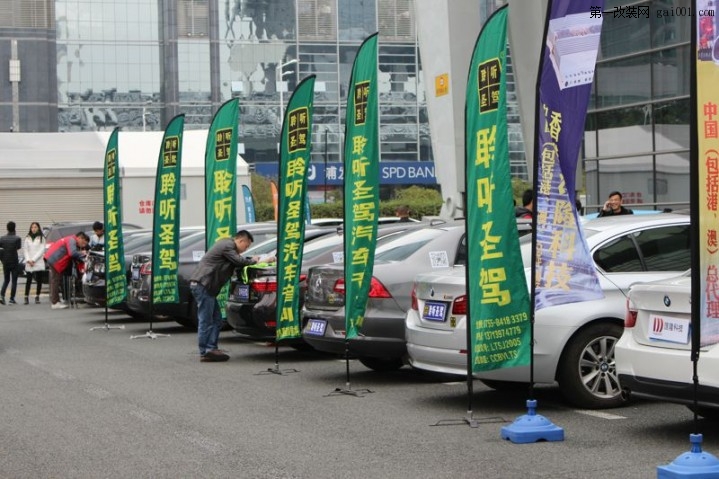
{"x":627,"y":222}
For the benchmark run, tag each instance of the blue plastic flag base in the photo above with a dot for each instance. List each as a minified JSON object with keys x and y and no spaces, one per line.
{"x":532,"y":427}
{"x":694,"y":463}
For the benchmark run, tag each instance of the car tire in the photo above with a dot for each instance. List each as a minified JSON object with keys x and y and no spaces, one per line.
{"x":587,"y":370}
{"x":382,"y":364}
{"x":505,"y":386}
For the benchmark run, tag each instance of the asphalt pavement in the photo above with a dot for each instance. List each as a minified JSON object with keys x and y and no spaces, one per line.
{"x":83,"y":403}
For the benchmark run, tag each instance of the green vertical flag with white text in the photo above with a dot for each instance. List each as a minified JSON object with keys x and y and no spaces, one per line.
{"x":166,"y":215}
{"x":115,"y":279}
{"x":499,"y":324}
{"x":295,"y":146}
{"x":221,"y":180}
{"x":361,"y":186}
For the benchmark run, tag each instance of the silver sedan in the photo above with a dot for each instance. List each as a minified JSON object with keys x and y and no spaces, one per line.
{"x":574,"y":343}
{"x":380,"y":344}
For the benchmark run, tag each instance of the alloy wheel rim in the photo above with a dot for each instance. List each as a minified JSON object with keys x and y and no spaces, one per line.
{"x":597,"y":368}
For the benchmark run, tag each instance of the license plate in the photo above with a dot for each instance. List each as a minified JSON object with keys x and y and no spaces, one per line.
{"x":316,"y":327}
{"x":243,"y":292}
{"x":667,"y":328}
{"x":434,"y":311}
{"x":135,"y":274}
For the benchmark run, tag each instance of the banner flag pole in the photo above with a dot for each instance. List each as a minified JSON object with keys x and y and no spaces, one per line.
{"x":295,"y":148}
{"x":115,"y":279}
{"x":563,"y":91}
{"x":361,"y":193}
{"x":494,"y":275}
{"x":166,"y":222}
{"x":703,"y":167}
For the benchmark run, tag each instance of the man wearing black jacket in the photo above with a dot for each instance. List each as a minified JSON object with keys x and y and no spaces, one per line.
{"x":9,"y":244}
{"x":613,"y":206}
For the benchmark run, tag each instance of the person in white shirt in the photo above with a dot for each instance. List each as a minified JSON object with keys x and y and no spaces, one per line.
{"x":98,"y":235}
{"x":33,"y":249}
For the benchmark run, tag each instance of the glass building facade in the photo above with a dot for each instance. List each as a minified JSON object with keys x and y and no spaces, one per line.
{"x":637,"y":129}
{"x":137,"y":63}
{"x":95,"y":64}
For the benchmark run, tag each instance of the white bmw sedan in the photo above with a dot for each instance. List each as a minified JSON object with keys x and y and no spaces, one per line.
{"x":574,"y":343}
{"x":654,"y":353}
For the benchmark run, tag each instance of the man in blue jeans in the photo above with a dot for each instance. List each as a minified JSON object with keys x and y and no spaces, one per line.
{"x":214,"y":270}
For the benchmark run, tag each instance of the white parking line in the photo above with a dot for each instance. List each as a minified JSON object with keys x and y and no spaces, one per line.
{"x":599,"y":414}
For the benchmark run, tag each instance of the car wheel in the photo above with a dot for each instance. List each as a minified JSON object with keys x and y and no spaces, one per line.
{"x":587,"y":369}
{"x":381,"y":364}
{"x":508,"y":386}
{"x":705,"y":412}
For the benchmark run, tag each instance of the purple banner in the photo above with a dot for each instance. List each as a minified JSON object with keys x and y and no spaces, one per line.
{"x":564,"y":269}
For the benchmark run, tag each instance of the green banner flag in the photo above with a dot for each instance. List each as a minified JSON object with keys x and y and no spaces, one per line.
{"x":166,"y":215}
{"x":115,"y":278}
{"x":361,"y":186}
{"x":221,"y":180}
{"x":499,"y":326}
{"x":295,"y":146}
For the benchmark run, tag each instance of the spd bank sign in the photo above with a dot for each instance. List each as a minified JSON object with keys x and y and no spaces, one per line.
{"x":391,"y":173}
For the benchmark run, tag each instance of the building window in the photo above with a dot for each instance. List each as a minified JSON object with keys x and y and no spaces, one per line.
{"x":192,"y":18}
{"x":317,"y":20}
{"x":27,"y":13}
{"x":396,"y":20}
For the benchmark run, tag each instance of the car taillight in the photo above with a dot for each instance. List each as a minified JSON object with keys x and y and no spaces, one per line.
{"x":263,"y":285}
{"x":414,"y":305}
{"x":630,"y":320}
{"x":376,"y":289}
{"x":146,"y":268}
{"x":459,"y":307}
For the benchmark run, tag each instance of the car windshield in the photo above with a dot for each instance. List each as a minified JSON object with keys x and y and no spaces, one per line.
{"x":402,"y":246}
{"x":329,"y":243}
{"x":143,"y":241}
{"x":321,"y":245}
{"x":137,"y":240}
{"x":193,"y":241}
{"x":265,"y":247}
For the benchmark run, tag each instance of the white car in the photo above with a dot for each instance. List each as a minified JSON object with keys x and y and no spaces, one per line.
{"x":574,"y":343}
{"x":654,"y":353}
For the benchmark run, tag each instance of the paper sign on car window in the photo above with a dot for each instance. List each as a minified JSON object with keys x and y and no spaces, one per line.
{"x":197,"y":255}
{"x":439,"y":259}
{"x":338,"y":256}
